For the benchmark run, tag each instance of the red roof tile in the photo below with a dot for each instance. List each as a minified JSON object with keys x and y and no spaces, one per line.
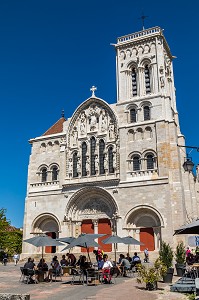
{"x":56,"y":128}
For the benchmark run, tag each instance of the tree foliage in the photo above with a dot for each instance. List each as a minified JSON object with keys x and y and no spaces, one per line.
{"x":10,"y":237}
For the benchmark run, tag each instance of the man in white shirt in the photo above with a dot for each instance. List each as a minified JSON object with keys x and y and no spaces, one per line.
{"x":106,"y":269}
{"x":16,"y":258}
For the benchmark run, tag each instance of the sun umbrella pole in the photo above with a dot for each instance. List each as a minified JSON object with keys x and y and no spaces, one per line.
{"x":115,"y":252}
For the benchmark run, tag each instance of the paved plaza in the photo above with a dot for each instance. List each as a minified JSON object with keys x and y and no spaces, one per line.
{"x":124,"y":288}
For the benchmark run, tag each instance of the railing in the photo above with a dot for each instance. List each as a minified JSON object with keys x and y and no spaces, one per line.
{"x":46,"y":183}
{"x":138,"y":34}
{"x":143,"y":173}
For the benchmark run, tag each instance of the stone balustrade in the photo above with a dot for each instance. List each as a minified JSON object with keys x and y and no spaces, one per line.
{"x":139,"y":34}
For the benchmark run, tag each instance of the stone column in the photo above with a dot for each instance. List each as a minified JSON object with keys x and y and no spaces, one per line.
{"x":141,"y":83}
{"x":95,"y":223}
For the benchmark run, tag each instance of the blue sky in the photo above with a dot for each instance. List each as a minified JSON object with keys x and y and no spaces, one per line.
{"x":53,"y":51}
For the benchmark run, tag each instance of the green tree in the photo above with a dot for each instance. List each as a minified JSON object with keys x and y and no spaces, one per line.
{"x":10,"y":237}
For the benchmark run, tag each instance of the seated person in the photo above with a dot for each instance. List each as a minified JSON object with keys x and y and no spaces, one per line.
{"x":42,"y":265}
{"x":106,"y":269}
{"x":190,"y":259}
{"x":42,"y":268}
{"x":55,"y":268}
{"x":128,"y":257}
{"x":30,"y":265}
{"x":64,"y":262}
{"x":124,"y":265}
{"x":71,"y":258}
{"x":135,"y":259}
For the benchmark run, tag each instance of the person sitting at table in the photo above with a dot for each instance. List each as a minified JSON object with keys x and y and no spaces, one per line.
{"x":64,"y":262}
{"x":55,"y":268}
{"x":128,"y":257}
{"x":124,"y":265}
{"x":42,"y":268}
{"x":106,"y":275}
{"x":190,"y":258}
{"x":72,"y":259}
{"x":42,"y":265}
{"x":30,"y":265}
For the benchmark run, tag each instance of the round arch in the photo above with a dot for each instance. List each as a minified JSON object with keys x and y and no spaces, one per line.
{"x":147,"y":223}
{"x":91,"y":202}
{"x":46,"y":223}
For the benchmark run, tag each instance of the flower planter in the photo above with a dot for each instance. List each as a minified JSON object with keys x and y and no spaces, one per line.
{"x":151,"y":286}
{"x":180,"y":269}
{"x":169,"y":275}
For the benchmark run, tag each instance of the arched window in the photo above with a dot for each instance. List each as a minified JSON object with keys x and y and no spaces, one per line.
{"x":136,"y":163}
{"x":84,"y":150}
{"x":54,"y":173}
{"x":75,"y":174}
{"x":93,"y":144}
{"x":134,"y":82}
{"x":133,"y":115}
{"x":147,"y":79}
{"x":101,"y":156}
{"x":147,"y":113}
{"x":110,"y":160}
{"x":44,"y":175}
{"x":150,"y":161}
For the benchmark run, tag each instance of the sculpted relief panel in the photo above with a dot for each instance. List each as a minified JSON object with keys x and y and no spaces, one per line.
{"x":95,"y":207}
{"x":93,"y":119}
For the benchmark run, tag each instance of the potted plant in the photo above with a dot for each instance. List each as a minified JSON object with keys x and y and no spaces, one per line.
{"x":151,"y":275}
{"x":166,"y":256}
{"x":180,"y":256}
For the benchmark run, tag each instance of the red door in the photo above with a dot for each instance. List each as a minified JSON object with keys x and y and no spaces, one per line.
{"x":147,"y":237}
{"x":87,"y":227}
{"x":104,"y":226}
{"x":51,"y":249}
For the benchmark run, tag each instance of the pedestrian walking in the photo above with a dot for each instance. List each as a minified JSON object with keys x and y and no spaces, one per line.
{"x":16,"y":258}
{"x":146,"y":255}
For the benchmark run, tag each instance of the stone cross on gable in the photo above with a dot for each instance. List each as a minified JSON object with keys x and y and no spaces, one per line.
{"x":93,"y":89}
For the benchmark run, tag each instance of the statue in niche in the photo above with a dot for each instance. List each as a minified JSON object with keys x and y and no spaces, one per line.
{"x":74,"y":137}
{"x":87,"y":165}
{"x":114,"y":160}
{"x":93,"y":117}
{"x":162,"y":81}
{"x":105,"y":161}
{"x":96,"y":163}
{"x":82,"y":124}
{"x":111,"y":130}
{"x":78,"y":166}
{"x":103,"y":121}
{"x":70,"y":166}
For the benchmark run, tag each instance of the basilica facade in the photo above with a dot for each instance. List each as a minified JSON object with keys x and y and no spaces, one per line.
{"x":115,"y":169}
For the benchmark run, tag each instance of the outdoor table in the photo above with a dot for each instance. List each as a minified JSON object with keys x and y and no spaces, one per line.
{"x":67,"y":270}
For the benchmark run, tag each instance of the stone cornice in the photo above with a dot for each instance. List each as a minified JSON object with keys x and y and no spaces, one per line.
{"x":102,"y":183}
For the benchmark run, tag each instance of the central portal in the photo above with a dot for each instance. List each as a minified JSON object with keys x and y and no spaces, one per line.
{"x":104,"y":227}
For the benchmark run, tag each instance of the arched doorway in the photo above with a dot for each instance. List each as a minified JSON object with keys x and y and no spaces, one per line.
{"x":146,"y":222}
{"x":92,"y":209}
{"x":49,"y":225}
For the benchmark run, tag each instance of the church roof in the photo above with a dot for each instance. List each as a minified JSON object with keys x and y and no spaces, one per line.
{"x":56,"y":128}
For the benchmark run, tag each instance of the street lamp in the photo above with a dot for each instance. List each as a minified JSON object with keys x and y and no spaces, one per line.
{"x":188,"y":165}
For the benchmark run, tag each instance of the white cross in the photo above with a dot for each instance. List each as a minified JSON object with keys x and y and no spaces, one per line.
{"x":93,"y":89}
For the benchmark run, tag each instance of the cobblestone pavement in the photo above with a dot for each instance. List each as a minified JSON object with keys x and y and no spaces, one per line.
{"x":124,"y":288}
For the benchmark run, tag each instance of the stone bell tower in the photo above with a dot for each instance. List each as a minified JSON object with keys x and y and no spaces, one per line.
{"x":144,"y":70}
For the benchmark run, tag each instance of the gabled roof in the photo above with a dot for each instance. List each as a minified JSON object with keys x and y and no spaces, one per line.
{"x":56,"y":128}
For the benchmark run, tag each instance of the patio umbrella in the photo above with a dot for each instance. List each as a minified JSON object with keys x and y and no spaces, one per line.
{"x":66,"y":240}
{"x":191,"y":228}
{"x":43,"y":240}
{"x":84,"y":241}
{"x":114,"y":239}
{"x":129,"y":240}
